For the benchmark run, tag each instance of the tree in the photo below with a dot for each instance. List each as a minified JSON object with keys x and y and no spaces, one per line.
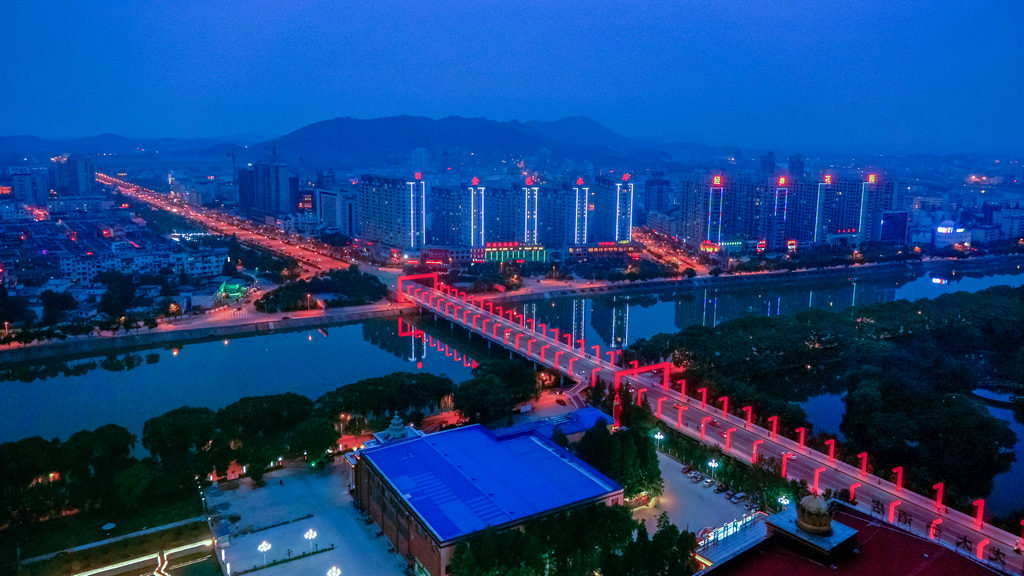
{"x":130,"y":484}
{"x":55,"y":304}
{"x":313,"y":437}
{"x":14,"y":309}
{"x":181,"y":440}
{"x":559,"y":437}
{"x":495,"y":388}
{"x":119,"y":295}
{"x":689,"y":272}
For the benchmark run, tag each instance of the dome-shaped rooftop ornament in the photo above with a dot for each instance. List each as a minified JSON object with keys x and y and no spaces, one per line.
{"x":812,"y":515}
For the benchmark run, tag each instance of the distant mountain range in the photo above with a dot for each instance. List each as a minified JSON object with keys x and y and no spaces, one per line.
{"x":357,"y":143}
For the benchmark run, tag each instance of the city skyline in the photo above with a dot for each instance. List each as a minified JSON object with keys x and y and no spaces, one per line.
{"x":867,"y":79}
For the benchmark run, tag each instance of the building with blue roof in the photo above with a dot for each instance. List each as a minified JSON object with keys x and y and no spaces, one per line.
{"x":427,"y":493}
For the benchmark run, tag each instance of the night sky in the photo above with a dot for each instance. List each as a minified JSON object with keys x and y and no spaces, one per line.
{"x":872,"y":76}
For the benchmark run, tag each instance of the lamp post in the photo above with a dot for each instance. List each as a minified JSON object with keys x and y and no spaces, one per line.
{"x":264,"y":547}
{"x":334,"y":571}
{"x":783,"y":501}
{"x":659,"y":437}
{"x":713,"y":464}
{"x":309,"y":536}
{"x":308,"y":307}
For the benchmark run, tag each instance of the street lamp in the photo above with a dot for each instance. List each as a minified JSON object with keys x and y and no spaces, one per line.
{"x":659,"y":437}
{"x":334,"y":571}
{"x":264,"y":547}
{"x":713,"y":464}
{"x":309,"y":536}
{"x":782,"y":500}
{"x":307,"y":301}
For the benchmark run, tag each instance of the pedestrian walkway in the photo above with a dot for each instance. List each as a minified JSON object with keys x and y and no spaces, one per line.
{"x":733,"y":539}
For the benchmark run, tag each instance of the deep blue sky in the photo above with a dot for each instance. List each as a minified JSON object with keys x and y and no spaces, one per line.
{"x":865,"y":76}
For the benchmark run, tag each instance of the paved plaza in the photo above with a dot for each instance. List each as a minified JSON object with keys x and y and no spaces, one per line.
{"x":290,"y":494}
{"x":690,"y":505}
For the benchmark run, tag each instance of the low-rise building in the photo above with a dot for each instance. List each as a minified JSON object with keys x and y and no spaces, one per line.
{"x":428,"y":493}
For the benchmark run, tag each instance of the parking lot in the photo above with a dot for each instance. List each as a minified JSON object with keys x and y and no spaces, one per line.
{"x":289,"y":495}
{"x":690,"y":505}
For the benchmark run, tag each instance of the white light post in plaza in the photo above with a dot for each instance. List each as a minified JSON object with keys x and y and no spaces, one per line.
{"x":659,"y":437}
{"x":713,"y":464}
{"x":264,"y":547}
{"x":309,"y":536}
{"x":334,"y":571}
{"x":783,"y":501}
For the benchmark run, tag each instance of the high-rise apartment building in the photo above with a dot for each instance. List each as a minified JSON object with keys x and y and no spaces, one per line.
{"x":581,"y":212}
{"x":73,"y":174}
{"x":658,"y":194}
{"x":270,"y":191}
{"x":393,"y":211}
{"x":613,"y":209}
{"x":31,"y":187}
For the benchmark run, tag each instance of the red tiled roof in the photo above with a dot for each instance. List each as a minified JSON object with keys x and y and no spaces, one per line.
{"x":883,"y":551}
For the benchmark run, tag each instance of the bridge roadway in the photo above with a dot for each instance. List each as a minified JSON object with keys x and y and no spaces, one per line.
{"x":712,"y":424}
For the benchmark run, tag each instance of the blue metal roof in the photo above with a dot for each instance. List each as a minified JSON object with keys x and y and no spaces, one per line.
{"x":463,"y":480}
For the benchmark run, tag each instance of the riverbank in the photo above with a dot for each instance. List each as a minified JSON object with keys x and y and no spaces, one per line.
{"x":916,"y":268}
{"x":169,"y":335}
{"x":86,"y":346}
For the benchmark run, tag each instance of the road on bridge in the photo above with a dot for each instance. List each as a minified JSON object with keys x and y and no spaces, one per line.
{"x":712,"y":423}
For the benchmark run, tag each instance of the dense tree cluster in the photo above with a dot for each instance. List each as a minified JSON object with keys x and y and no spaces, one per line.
{"x":494,"y":389}
{"x":628,"y":456}
{"x":92,"y":468}
{"x":592,"y":540}
{"x":14,"y":309}
{"x":908,"y":369}
{"x":348,"y":287}
{"x":412,"y":395}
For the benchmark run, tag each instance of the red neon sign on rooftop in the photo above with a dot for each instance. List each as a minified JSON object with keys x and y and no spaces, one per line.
{"x":872,"y":178}
{"x":828,"y":178}
{"x":625,"y":177}
{"x":782,"y":180}
{"x":579,"y":181}
{"x":529,"y":181}
{"x":419,"y":176}
{"x":475,"y":181}
{"x":717,"y":180}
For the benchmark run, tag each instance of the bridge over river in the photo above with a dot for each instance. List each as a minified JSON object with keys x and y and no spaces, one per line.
{"x":711,"y":422}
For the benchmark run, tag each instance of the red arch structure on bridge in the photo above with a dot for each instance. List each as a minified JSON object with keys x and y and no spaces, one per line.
{"x":411,"y":277}
{"x":665,"y":367}
{"x":666,"y":370}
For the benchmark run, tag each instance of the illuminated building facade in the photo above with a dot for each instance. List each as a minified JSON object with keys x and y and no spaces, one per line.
{"x":531,"y":197}
{"x":777,"y":231}
{"x":393,"y":211}
{"x":581,"y":212}
{"x":612,"y":200}
{"x":339,"y":209}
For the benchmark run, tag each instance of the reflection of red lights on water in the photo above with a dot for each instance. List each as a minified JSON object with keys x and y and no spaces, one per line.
{"x":406,"y":329}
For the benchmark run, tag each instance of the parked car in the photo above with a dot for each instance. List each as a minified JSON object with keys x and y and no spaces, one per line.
{"x":685,"y":469}
{"x":721,"y":488}
{"x":739,"y":498}
{"x":708,"y":482}
{"x":729,"y":494}
{"x":697,"y":477}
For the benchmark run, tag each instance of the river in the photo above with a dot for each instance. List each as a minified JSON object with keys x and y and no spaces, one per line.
{"x":42,"y":400}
